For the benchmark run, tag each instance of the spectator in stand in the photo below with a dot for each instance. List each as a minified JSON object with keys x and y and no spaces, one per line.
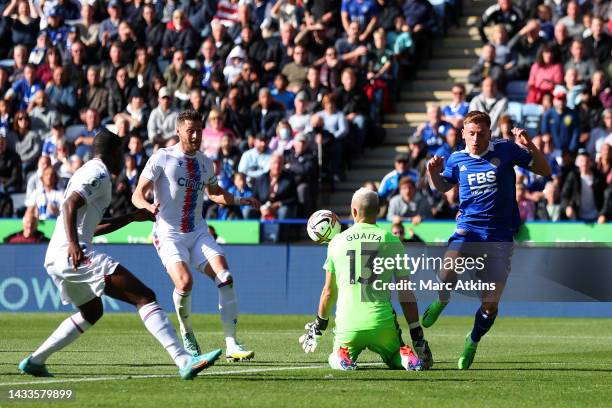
{"x":433,"y":132}
{"x":295,"y":71}
{"x":136,"y":150}
{"x":486,"y":67}
{"x":454,"y":112}
{"x":561,"y":123}
{"x":11,"y":179}
{"x":417,"y":158}
{"x":24,"y":89}
{"x":20,"y":60}
{"x":363,"y":12}
{"x":76,"y":66}
{"x":335,"y":122}
{"x":47,"y":201}
{"x":124,"y":186}
{"x":578,"y":60}
{"x":353,"y":102}
{"x":52,"y":60}
{"x":266,"y":114}
{"x":252,"y":43}
{"x":491,"y":102}
{"x":325,"y":144}
{"x":548,"y":208}
{"x":207,"y":62}
{"x":135,"y":113}
{"x":397,"y":229}
{"x":30,"y":233}
{"x":547,"y":28}
{"x":281,"y":94}
{"x":313,"y":89}
{"x":162,"y":122}
{"x":331,"y":70}
{"x":109,"y":27}
{"x":600,"y":89}
{"x":408,"y":205}
{"x":300,"y":120}
{"x":573,"y":20}
{"x":544,"y":75}
{"x":27,"y":141}
{"x":237,"y":115}
{"x":179,"y":35}
{"x":525,"y":46}
{"x":526,"y":207}
{"x":350,"y":49}
{"x":302,"y":163}
{"x":213,"y":133}
{"x":504,"y":12}
{"x":62,"y":95}
{"x":26,"y":22}
{"x":599,"y":44}
{"x":153,"y":30}
{"x":452,"y":143}
{"x":52,"y":140}
{"x":499,"y":40}
{"x":582,"y":193}
{"x":389,"y":185}
{"x":41,"y":115}
{"x":283,"y":139}
{"x":88,"y":29}
{"x":326,"y":12}
{"x":278,"y":54}
{"x":242,"y":190}
{"x":119,"y":92}
{"x":95,"y":95}
{"x":562,"y":41}
{"x":604,"y":162}
{"x":573,"y":87}
{"x":175,"y":72}
{"x":56,"y":30}
{"x":276,"y":190}
{"x":422,"y":20}
{"x":109,"y":67}
{"x":505,"y":127}
{"x":600,"y":135}
{"x":84,"y":140}
{"x":256,"y":161}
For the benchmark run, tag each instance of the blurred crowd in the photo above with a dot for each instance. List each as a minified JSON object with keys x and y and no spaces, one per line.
{"x":291,"y":92}
{"x":545,"y":66}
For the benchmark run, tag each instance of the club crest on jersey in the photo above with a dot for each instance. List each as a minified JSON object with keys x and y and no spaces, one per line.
{"x":495,"y":162}
{"x":180,"y":163}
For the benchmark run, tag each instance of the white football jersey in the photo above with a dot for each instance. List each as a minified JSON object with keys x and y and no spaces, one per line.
{"x":93,"y":183}
{"x":178,"y":181}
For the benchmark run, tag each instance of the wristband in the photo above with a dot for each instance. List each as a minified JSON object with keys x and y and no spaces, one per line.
{"x":322,"y":323}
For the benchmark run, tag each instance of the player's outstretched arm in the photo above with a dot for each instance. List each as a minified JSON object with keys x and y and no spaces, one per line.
{"x":434,"y":168}
{"x":139,"y":196}
{"x":109,"y":225}
{"x":540,"y":165}
{"x":221,"y":196}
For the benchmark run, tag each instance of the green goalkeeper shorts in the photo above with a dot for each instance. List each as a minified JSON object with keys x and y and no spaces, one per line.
{"x":385,"y":342}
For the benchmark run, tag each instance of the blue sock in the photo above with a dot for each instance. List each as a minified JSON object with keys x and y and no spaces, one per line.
{"x":482,"y":324}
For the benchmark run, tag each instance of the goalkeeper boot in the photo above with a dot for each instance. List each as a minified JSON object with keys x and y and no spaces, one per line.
{"x":410,"y":361}
{"x":191,"y":344}
{"x":432,"y":313}
{"x":238,"y":353}
{"x":199,"y":363}
{"x":37,"y":370}
{"x":341,"y":360}
{"x":421,"y":347}
{"x":469,"y":352}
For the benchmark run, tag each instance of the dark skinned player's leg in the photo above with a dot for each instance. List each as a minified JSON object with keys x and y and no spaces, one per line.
{"x":124,"y":286}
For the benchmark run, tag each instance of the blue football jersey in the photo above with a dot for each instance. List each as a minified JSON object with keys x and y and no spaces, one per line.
{"x":487,"y":196}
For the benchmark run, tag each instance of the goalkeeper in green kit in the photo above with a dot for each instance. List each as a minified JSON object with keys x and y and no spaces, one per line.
{"x":364,"y":314}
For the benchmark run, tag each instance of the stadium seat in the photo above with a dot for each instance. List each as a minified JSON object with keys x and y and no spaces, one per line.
{"x":18,"y":200}
{"x":532,"y":114}
{"x":515,"y":110}
{"x":516,"y":91}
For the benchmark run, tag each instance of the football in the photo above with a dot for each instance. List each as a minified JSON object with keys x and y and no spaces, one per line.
{"x":322,"y":226}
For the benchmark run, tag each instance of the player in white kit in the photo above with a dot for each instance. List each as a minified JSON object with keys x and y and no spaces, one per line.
{"x":83,"y":274}
{"x":178,"y":176}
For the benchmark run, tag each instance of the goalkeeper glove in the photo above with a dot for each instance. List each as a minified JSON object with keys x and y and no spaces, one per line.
{"x":314,"y":330}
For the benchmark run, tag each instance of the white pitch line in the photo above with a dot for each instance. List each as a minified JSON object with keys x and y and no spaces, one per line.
{"x":126,"y":377}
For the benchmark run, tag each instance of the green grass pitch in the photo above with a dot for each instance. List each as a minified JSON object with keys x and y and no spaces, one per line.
{"x":522,"y":362}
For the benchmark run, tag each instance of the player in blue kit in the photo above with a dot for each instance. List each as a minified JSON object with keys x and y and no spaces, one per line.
{"x":488,"y":213}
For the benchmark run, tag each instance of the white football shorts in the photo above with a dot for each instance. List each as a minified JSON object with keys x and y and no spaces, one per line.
{"x":79,"y":286}
{"x":195,"y":248}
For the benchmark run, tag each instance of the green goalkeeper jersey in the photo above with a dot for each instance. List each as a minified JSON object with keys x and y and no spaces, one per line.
{"x":361,"y":305}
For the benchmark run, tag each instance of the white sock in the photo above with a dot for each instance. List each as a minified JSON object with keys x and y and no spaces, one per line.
{"x":228,"y":308}
{"x":182,"y":305}
{"x":67,"y":332}
{"x":157,"y":323}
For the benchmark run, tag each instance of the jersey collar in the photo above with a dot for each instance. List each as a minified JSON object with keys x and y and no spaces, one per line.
{"x":489,"y":148}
